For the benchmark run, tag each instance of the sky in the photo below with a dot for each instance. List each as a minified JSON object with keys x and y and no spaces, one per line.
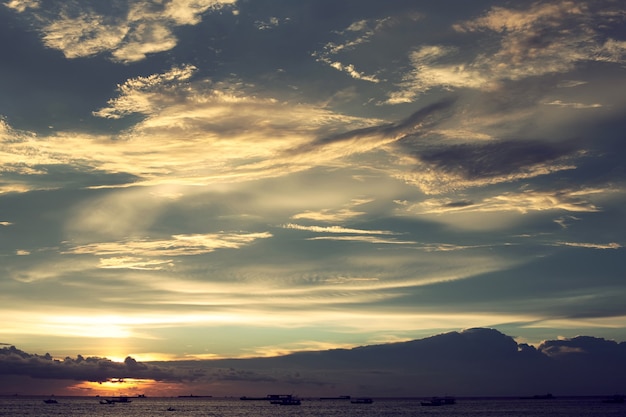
{"x":204,"y":179}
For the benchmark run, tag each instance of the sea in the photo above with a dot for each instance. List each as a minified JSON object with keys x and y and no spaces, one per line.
{"x":380,"y":407}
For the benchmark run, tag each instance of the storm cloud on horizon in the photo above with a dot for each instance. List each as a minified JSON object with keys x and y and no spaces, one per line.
{"x":445,"y":362}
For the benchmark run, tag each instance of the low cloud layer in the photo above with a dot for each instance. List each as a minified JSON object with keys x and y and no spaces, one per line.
{"x":494,"y":363}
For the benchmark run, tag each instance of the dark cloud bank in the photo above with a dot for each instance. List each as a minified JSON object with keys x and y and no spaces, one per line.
{"x":472,"y":362}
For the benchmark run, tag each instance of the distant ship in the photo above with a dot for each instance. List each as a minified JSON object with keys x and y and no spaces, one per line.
{"x":341,"y":397}
{"x":362,"y":401}
{"x":50,"y":401}
{"x":115,"y":400}
{"x":283,"y":399}
{"x":436,"y":401}
{"x":547,"y":396}
{"x":287,"y":401}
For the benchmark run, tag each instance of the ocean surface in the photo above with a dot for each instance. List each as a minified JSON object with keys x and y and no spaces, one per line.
{"x":218,"y":407}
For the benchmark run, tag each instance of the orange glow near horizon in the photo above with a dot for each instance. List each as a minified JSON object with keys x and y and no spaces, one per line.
{"x":115,"y":387}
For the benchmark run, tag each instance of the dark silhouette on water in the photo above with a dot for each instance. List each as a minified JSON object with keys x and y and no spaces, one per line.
{"x":547,"y":396}
{"x":283,"y":399}
{"x":115,"y":400}
{"x":437,"y":401}
{"x":362,"y":401}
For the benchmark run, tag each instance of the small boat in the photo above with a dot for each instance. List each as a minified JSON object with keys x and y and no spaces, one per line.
{"x":437,"y":401}
{"x":362,"y":400}
{"x":50,"y":401}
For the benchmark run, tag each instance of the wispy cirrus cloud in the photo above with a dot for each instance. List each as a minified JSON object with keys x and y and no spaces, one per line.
{"x":133,"y":262}
{"x":359,"y":33}
{"x":178,"y":245}
{"x":364,"y":239}
{"x":339,"y":233}
{"x":560,"y":103}
{"x":336,"y":229}
{"x":611,"y":245}
{"x":572,"y":200}
{"x":347,"y":212}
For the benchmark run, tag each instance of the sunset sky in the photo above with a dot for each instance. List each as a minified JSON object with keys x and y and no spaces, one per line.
{"x":238,"y":178}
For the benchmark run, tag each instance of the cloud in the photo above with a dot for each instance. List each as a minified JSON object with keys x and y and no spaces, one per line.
{"x":361,"y":32}
{"x":548,"y":37}
{"x":356,"y":36}
{"x":128,"y":32}
{"x":545,"y":38}
{"x":178,"y":245}
{"x":483,"y":361}
{"x":612,"y":245}
{"x":525,"y":201}
{"x":570,"y":83}
{"x":426,"y":74}
{"x":269,"y":24}
{"x":573,"y":105}
{"x":250,"y":137}
{"x":197,"y":132}
{"x":365,"y":239}
{"x":341,"y":214}
{"x":590,"y":348}
{"x":336,"y":229}
{"x":132,"y":262}
{"x":439,"y":169}
{"x":22,"y":5}
{"x":492,"y":210}
{"x":245,"y":135}
{"x":147,"y":95}
{"x":369,"y":138}
{"x":16,"y":362}
{"x":351,"y":70}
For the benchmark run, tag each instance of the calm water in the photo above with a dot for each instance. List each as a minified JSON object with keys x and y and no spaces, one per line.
{"x":75,"y":407}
